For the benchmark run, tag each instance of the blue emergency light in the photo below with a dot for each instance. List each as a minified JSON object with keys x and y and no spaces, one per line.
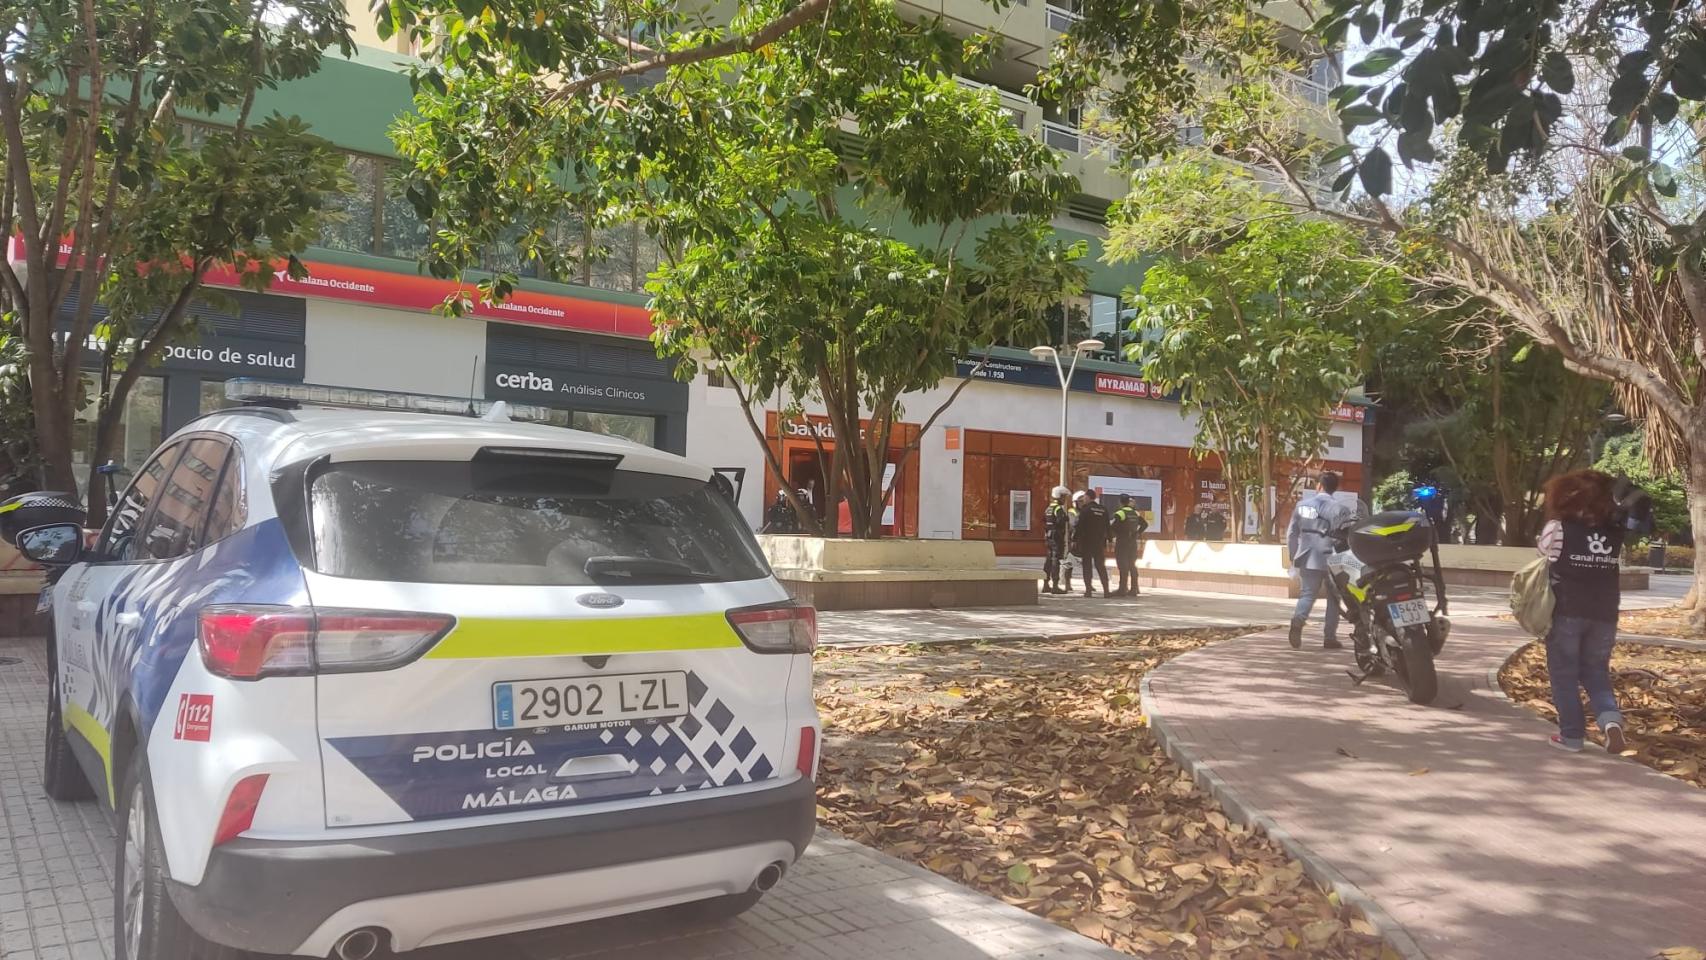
{"x":1427,"y":492}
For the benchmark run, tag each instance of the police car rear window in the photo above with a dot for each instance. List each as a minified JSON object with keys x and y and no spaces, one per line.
{"x":529,"y":524}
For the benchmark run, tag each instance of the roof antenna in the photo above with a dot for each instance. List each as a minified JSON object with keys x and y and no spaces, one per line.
{"x":473,"y":377}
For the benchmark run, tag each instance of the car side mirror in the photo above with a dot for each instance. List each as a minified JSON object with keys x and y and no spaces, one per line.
{"x":56,"y":544}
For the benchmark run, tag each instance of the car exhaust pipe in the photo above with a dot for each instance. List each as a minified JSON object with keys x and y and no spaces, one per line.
{"x":768,"y":877}
{"x":360,"y":944}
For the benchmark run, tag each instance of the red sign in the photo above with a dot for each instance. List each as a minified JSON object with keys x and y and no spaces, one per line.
{"x":1123,"y":386}
{"x":383,"y":288}
{"x":407,"y":291}
{"x":1349,"y":413}
{"x":195,"y":717}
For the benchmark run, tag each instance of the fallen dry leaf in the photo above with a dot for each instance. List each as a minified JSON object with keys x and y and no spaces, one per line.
{"x":1662,"y":691}
{"x":1036,"y":781}
{"x":1418,"y":771}
{"x":1682,"y":953}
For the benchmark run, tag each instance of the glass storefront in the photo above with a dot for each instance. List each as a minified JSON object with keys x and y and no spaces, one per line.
{"x":213,"y":397}
{"x":642,"y":430}
{"x":139,"y":427}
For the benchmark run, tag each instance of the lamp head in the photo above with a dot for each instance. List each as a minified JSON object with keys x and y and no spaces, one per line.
{"x":1091,"y":345}
{"x":1042,"y":352}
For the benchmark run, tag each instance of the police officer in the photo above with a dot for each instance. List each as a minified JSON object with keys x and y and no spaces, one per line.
{"x":1057,"y":529}
{"x":780,"y":518}
{"x":1090,"y":540}
{"x":1129,"y":527}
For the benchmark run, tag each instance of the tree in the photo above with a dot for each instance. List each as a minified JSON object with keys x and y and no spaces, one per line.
{"x":781,"y":230}
{"x":582,"y":79}
{"x":110,"y":194}
{"x":1554,"y":154}
{"x":1499,"y":415}
{"x":1261,"y":334}
{"x":840,"y":217}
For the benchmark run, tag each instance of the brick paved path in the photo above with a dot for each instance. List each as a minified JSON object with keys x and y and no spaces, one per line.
{"x":842,"y":900}
{"x":1459,"y":820}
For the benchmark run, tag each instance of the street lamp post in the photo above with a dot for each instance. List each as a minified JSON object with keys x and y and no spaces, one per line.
{"x":1065,"y":375}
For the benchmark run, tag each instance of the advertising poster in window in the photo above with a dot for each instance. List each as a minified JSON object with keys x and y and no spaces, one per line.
{"x":1146,"y":494}
{"x":1019,"y":509}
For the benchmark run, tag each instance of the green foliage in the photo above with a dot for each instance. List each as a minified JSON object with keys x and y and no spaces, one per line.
{"x":1626,"y":455}
{"x":1261,"y":335}
{"x":777,"y":180}
{"x":1149,"y":68}
{"x":20,"y":461}
{"x":1494,"y":78}
{"x":1397,"y":491}
{"x":1491,"y":422}
{"x":98,"y":156}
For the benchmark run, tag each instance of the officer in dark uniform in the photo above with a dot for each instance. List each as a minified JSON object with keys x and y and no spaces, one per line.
{"x":1090,"y":540}
{"x":1057,"y":528}
{"x":1129,"y":527}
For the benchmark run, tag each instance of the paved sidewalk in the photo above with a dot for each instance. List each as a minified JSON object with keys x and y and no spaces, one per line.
{"x":842,"y":900}
{"x":1459,"y":820}
{"x":1157,"y":609}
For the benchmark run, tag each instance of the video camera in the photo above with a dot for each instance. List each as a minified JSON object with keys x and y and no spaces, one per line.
{"x":1634,"y":505}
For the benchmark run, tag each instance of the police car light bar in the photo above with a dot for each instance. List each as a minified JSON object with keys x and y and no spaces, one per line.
{"x":263,"y":392}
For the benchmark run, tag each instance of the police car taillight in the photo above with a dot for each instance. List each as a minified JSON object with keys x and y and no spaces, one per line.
{"x":777,"y":628}
{"x":248,"y":642}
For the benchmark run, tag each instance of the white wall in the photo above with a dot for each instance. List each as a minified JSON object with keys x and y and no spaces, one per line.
{"x":354,"y":345}
{"x":718,"y":435}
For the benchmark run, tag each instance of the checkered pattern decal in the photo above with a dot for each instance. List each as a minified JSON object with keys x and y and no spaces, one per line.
{"x":474,"y":772}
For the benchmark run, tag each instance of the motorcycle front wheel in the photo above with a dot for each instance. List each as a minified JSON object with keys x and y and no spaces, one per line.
{"x":1415,"y":663}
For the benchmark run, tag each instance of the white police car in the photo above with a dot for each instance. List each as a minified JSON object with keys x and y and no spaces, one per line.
{"x":355,"y":681}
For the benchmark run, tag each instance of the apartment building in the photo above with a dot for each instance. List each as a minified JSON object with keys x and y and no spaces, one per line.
{"x":578,"y":346}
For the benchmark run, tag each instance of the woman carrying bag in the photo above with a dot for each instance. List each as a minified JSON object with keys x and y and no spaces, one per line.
{"x":1588,"y":513}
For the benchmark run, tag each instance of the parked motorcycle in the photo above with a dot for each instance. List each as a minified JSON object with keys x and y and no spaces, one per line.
{"x":1397,"y":608}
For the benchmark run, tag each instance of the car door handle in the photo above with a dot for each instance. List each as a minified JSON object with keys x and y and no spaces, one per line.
{"x":601,"y":766}
{"x":86,"y":606}
{"x":128,"y":619}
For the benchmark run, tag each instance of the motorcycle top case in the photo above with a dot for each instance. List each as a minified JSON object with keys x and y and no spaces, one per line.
{"x":1392,"y":536}
{"x":30,"y":510}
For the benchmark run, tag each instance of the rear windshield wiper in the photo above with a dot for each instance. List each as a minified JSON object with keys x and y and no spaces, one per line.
{"x":644,"y":568}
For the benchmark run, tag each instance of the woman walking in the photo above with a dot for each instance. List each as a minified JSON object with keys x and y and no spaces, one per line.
{"x":1583,"y":540}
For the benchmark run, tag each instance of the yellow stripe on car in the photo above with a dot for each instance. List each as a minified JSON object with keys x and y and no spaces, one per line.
{"x":1404,"y":527}
{"x":8,"y":508}
{"x":92,"y":730}
{"x":477,"y":637}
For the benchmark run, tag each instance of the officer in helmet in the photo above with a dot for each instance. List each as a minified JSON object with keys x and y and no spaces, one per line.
{"x":1057,"y":529}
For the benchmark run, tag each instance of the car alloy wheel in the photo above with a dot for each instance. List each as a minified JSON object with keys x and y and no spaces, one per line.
{"x":134,"y":869}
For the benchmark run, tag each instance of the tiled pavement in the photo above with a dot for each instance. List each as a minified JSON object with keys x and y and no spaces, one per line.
{"x":1459,"y":820}
{"x":841,"y":901}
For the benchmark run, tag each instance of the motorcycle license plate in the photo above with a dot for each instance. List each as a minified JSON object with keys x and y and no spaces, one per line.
{"x":1409,"y":613}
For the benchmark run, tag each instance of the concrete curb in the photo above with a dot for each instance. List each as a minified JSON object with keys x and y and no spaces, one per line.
{"x":1242,"y":811}
{"x":1646,"y":638}
{"x":1245,"y":628}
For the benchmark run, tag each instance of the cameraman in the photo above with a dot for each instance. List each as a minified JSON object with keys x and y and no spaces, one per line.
{"x":1588,"y":514}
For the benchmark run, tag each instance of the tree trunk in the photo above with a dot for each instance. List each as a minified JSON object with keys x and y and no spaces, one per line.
{"x":1265,"y":499}
{"x":53,"y":426}
{"x":1696,"y":599}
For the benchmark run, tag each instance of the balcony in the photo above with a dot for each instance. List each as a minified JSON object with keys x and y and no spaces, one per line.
{"x":1303,"y":88}
{"x":1060,"y":19}
{"x":1018,"y":108}
{"x":1069,"y":139}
